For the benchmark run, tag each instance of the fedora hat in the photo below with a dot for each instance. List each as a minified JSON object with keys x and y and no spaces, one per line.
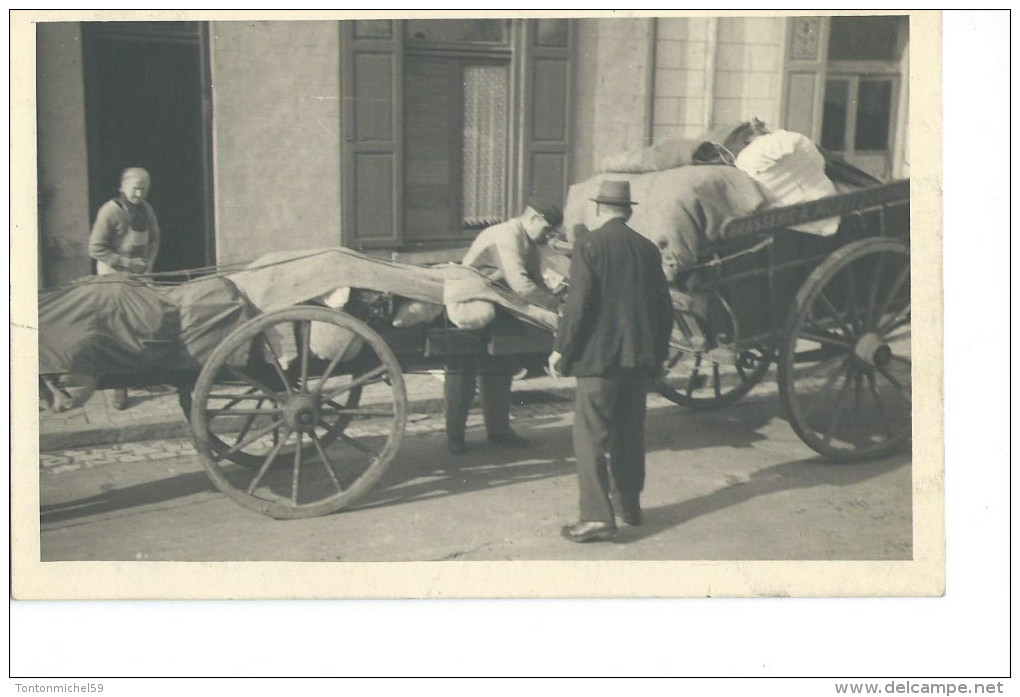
{"x":614,"y":192}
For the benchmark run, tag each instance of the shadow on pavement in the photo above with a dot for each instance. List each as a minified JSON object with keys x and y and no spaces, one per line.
{"x":118,"y":499}
{"x":428,"y":471}
{"x":435,"y":473}
{"x":424,"y":469}
{"x":738,"y":426}
{"x":787,"y":476}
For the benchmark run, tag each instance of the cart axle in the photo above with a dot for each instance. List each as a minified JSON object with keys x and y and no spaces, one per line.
{"x":872,"y":351}
{"x":302,"y":413}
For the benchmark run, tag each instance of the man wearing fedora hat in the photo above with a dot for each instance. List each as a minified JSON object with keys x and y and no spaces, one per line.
{"x":613,"y":337}
{"x":507,"y":253}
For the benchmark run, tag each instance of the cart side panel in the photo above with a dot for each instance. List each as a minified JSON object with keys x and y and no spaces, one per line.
{"x":759,"y":287}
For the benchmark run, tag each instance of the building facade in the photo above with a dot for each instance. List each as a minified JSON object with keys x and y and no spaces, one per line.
{"x":405,"y":137}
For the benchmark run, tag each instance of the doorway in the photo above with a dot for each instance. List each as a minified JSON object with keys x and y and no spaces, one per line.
{"x":147,"y":105}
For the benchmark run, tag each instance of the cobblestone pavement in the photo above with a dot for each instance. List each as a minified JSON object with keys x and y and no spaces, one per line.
{"x":159,"y":405}
{"x":154,"y":413}
{"x":59,"y":461}
{"x":537,"y":405}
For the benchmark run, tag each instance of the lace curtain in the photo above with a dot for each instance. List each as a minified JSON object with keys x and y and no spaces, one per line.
{"x":486,"y":96}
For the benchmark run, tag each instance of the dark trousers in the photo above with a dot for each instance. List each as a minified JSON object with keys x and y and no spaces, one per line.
{"x":609,"y":416}
{"x":462,"y":375}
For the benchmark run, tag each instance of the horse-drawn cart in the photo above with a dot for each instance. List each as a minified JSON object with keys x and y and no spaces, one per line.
{"x":834,"y":312}
{"x":299,"y":410}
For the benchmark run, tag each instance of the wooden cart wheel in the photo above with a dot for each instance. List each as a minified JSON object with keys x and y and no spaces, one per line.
{"x":844,"y":370}
{"x":280,"y":392}
{"x":253,"y":454}
{"x":709,"y":379}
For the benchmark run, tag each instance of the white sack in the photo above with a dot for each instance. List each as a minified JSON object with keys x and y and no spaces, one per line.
{"x":793,"y":170}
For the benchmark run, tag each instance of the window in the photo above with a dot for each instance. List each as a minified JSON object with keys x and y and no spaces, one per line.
{"x":485,"y":144}
{"x":857,"y":113}
{"x":861,"y":86}
{"x":834,"y":114}
{"x":845,"y":86}
{"x":456,"y":126}
{"x":864,"y":38}
{"x":874,"y":107}
{"x":449,"y":125}
{"x":456,"y":142}
{"x":458,"y":31}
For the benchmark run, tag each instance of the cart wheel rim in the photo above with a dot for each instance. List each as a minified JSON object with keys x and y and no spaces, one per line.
{"x":307,"y":397}
{"x":850,"y":327}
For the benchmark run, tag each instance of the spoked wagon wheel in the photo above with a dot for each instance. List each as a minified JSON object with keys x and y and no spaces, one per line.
{"x":711,"y":378}
{"x":844,"y":372}
{"x":237,"y":392}
{"x":276,"y":413}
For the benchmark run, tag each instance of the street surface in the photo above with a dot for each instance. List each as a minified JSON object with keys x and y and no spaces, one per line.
{"x":731,"y":484}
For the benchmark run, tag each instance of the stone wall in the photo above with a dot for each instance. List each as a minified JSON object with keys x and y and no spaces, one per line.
{"x":63,"y":178}
{"x":749,"y":69}
{"x":747,"y":59}
{"x":611,"y":111}
{"x":276,"y":141}
{"x":680,"y":61}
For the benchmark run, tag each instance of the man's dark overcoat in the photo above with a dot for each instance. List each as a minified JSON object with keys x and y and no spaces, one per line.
{"x":618,"y":312}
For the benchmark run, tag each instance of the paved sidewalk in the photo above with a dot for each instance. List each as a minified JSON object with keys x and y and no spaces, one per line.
{"x":87,"y":456}
{"x":154,"y":414}
{"x":535,"y":399}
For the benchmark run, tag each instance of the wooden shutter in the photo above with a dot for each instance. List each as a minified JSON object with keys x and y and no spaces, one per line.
{"x":372,"y":128}
{"x":546,"y":79}
{"x":807,"y":50}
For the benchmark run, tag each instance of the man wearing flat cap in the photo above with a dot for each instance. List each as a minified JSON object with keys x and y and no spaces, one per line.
{"x":507,"y":253}
{"x":613,"y":337}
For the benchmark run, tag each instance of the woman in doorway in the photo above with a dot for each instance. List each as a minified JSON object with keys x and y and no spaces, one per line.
{"x":125,"y":236}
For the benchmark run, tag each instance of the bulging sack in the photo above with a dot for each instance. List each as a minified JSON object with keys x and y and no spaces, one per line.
{"x":463,"y":306}
{"x":672,"y":152}
{"x":472,"y":314}
{"x":791,"y":167}
{"x":415,"y":312}
{"x":327,"y":341}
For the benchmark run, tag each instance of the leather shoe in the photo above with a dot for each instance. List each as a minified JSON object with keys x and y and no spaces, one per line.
{"x":510,"y":440}
{"x":456,"y":447}
{"x":589,"y":531}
